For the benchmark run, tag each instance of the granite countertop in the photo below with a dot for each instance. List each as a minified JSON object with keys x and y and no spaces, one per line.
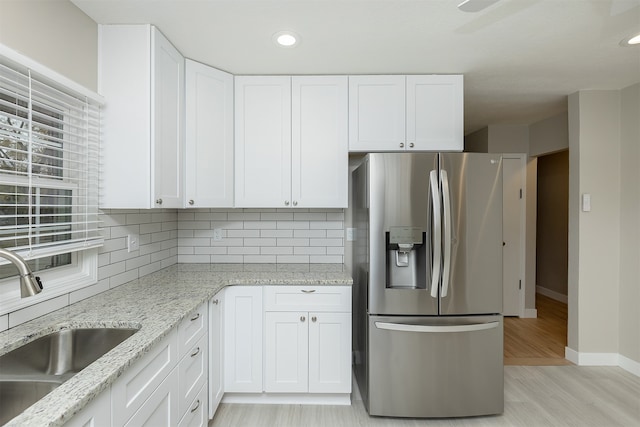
{"x":155,"y":304}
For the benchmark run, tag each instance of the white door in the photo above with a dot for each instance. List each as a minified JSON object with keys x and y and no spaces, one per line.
{"x":216,"y":351}
{"x":286,"y":352}
{"x":512,"y":208}
{"x":243,"y":339}
{"x":319,"y":146}
{"x":167,"y":103}
{"x":329,"y":352}
{"x":263,"y":141}
{"x":435,"y":113}
{"x":209,"y":137}
{"x":377,"y":113}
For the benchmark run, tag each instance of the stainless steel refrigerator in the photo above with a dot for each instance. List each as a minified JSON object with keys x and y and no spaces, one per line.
{"x":428,"y":331}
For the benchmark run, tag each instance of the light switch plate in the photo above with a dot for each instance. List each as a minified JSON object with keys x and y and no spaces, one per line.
{"x":133,"y":242}
{"x":586,"y":202}
{"x":351,"y":234}
{"x":217,"y":234}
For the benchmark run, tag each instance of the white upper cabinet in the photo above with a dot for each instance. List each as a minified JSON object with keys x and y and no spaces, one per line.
{"x":376,"y":113}
{"x":406,"y":113}
{"x":291,"y":141}
{"x":435,"y":113}
{"x":141,"y":76}
{"x":263,"y":141}
{"x":319,"y":148}
{"x":209,"y":137}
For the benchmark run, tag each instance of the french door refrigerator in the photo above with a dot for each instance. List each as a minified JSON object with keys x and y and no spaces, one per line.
{"x":428,"y":284}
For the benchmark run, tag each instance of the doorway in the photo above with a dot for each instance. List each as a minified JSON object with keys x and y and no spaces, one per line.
{"x":542,"y":340}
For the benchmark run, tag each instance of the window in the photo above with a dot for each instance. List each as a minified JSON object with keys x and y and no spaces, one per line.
{"x":49,"y":142}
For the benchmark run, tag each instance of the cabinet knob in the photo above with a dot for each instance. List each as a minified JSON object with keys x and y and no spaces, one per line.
{"x":402,"y":145}
{"x":302,"y":318}
{"x":215,"y":301}
{"x":314,"y":318}
{"x":295,"y":203}
{"x":286,"y":203}
{"x":411,"y":145}
{"x":191,"y":202}
{"x":159,"y":201}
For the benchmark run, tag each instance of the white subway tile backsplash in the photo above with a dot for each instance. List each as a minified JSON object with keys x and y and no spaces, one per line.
{"x":243,"y":233}
{"x":276,"y":233}
{"x":310,"y":233}
{"x":243,"y":216}
{"x":263,"y":241}
{"x":123,"y":278}
{"x":36,"y":310}
{"x":328,"y":259}
{"x":335,"y":234}
{"x":276,"y":250}
{"x":293,"y":225}
{"x":89,"y":291}
{"x":308,"y":250}
{"x":244,"y":250}
{"x":210,"y":216}
{"x":276,"y":216}
{"x":293,"y":242}
{"x":259,"y":259}
{"x":293,"y":259}
{"x":235,"y":259}
{"x":260,"y":225}
{"x":325,"y":242}
{"x":326,"y":225}
{"x":211,"y":250}
{"x":310,"y":216}
{"x":4,"y":322}
{"x":195,"y":259}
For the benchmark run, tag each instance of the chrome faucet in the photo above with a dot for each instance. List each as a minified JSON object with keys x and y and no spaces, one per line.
{"x":29,"y":284}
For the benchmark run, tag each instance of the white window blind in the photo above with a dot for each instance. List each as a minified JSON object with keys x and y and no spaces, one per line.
{"x":49,"y":157}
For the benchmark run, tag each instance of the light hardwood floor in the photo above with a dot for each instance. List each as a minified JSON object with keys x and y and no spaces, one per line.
{"x":535,"y":396}
{"x":540,"y":341}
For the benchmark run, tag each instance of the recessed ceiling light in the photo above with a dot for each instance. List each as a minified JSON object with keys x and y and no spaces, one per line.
{"x":631,"y":41}
{"x":286,"y":39}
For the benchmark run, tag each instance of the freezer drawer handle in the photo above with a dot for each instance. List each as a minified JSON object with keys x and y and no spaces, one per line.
{"x":437,"y":329}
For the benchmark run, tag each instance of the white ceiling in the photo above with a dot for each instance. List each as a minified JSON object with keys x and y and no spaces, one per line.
{"x":520,"y":58}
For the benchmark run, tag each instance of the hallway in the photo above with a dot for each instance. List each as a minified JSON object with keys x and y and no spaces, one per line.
{"x":540,"y":341}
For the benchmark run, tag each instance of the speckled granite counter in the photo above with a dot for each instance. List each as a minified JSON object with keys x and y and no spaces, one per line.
{"x":155,"y":303}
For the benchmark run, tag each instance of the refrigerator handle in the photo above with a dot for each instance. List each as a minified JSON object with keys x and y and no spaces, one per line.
{"x":446,"y":197}
{"x":437,"y":233}
{"x":436,"y":328}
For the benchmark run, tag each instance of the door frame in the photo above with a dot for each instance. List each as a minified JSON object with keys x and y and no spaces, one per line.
{"x":523,"y":222}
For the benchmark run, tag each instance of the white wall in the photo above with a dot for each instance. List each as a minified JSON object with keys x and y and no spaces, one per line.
{"x":629,"y":301}
{"x":549,"y":135}
{"x":62,"y":37}
{"x":594,"y":237}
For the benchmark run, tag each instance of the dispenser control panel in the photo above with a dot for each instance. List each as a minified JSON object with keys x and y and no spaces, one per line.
{"x":405,"y":235}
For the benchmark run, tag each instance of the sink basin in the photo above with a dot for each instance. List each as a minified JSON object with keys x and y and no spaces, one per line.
{"x":16,"y":396}
{"x":63,"y":352}
{"x":30,"y":372}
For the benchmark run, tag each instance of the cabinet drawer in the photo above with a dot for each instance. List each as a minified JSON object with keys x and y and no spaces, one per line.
{"x":307,"y":298}
{"x":193,"y":373}
{"x":138,"y":382}
{"x":191,"y":329}
{"x":161,"y":408}
{"x":196,"y":414}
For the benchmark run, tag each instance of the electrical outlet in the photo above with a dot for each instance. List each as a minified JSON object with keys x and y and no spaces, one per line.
{"x":217,"y":234}
{"x":351,"y":234}
{"x":133,"y":242}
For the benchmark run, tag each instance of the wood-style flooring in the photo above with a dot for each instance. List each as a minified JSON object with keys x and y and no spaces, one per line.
{"x":540,"y":341}
{"x":535,"y":396}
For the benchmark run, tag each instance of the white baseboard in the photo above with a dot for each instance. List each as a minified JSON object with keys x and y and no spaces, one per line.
{"x":530,"y":313}
{"x":602,"y":359}
{"x":289,"y":398}
{"x":629,"y":365}
{"x":552,"y":294}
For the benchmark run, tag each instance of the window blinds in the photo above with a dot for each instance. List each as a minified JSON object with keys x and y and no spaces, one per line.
{"x":49,"y":157}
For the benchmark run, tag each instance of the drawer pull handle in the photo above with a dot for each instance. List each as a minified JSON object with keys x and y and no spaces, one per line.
{"x":195,"y":353}
{"x":197,"y":406}
{"x":196,"y":317}
{"x":308,"y":291}
{"x":215,"y":301}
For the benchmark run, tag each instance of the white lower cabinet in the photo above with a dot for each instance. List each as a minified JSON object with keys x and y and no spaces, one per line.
{"x":216,"y":353}
{"x":196,"y":415}
{"x":161,"y":409}
{"x":307,"y":351}
{"x":243,"y":339}
{"x":95,"y":414}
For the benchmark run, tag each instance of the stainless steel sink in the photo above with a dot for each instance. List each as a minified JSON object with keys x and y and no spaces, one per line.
{"x":29,"y":372}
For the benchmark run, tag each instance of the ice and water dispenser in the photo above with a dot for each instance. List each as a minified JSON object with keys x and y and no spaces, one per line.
{"x":406,"y":257}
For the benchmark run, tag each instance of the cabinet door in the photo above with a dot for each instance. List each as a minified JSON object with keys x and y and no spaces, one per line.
{"x":209,"y":137}
{"x":193,"y":371}
{"x":435,"y":112}
{"x":167,"y":105}
{"x":161,"y":409}
{"x":286,"y":352}
{"x":319,"y":146}
{"x":243,"y":339}
{"x":216,"y":352}
{"x":376,"y":113}
{"x":329,"y":352}
{"x":95,"y":414}
{"x":263,"y":141}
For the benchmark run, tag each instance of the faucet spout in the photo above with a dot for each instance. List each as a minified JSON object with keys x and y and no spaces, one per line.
{"x":30,"y":285}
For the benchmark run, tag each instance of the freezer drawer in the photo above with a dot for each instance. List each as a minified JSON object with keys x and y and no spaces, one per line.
{"x":435,"y":366}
